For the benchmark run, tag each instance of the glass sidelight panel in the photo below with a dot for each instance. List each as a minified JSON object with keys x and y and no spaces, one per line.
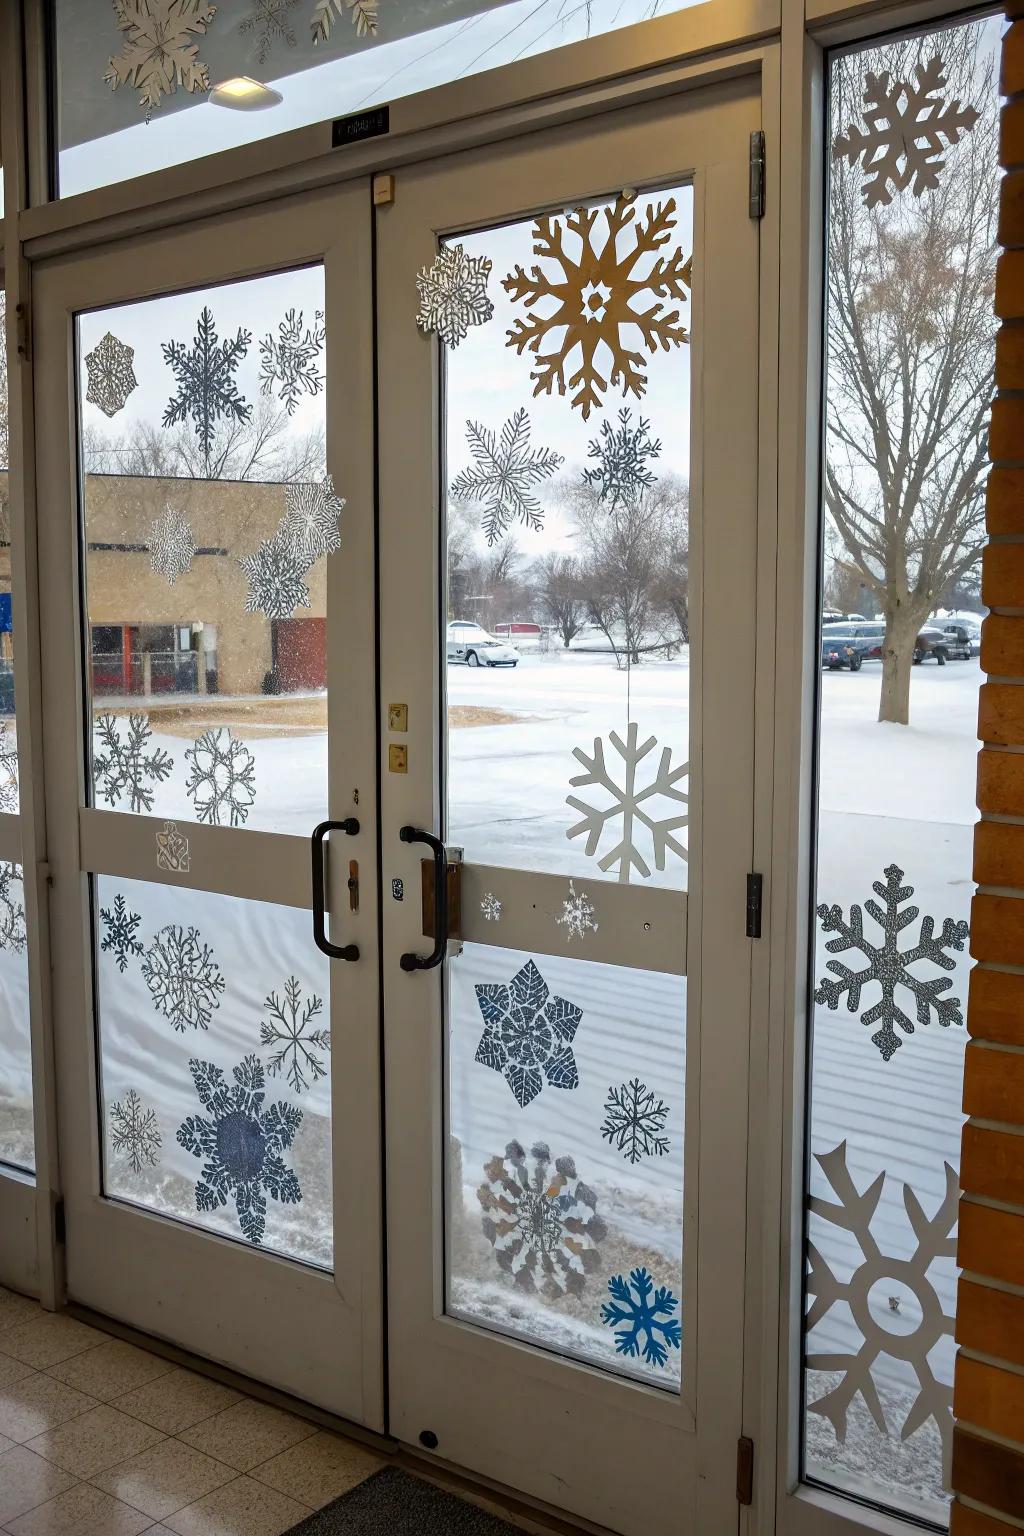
{"x":9,"y":795}
{"x":17,"y":1146}
{"x":208,"y":517}
{"x":214,"y":1047}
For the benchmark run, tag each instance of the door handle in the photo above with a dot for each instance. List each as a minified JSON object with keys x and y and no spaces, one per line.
{"x":411,"y":961}
{"x":336,"y":951}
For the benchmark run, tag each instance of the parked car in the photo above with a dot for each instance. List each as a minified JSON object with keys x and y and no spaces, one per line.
{"x":931,"y":642}
{"x":964,"y":639}
{"x":468,"y":642}
{"x":841,"y":650}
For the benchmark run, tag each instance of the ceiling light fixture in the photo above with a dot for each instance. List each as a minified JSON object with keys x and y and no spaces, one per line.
{"x":244,"y":94}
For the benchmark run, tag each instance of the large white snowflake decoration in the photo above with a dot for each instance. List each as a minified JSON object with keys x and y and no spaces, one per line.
{"x":528,"y":1034}
{"x":453,"y":294}
{"x":221,"y":778}
{"x":292,"y":362}
{"x":503,"y":474}
{"x":310,"y":525}
{"x":542,"y":1223}
{"x":287,"y":1028}
{"x":242,"y":1143}
{"x":183,"y":978}
{"x":268,"y":21}
{"x":205,"y":375}
{"x":649,"y":1328}
{"x":275,"y":574}
{"x":172,"y":547}
{"x":8,"y":768}
{"x":135,"y":1132}
{"x":621,"y":473}
{"x":158,"y":53}
{"x":13,"y":934}
{"x":632,"y":803}
{"x":883,"y":1328}
{"x":888,"y":965}
{"x":110,"y":373}
{"x":634,"y":1121}
{"x":902,"y":145}
{"x":577,"y":916}
{"x":362,"y":12}
{"x":588,"y":294}
{"x":120,"y":927}
{"x":127,"y":765}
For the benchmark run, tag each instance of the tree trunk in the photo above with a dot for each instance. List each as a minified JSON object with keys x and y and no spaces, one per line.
{"x":901,"y":629}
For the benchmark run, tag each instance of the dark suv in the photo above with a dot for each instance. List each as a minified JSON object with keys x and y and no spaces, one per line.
{"x":846,"y":645}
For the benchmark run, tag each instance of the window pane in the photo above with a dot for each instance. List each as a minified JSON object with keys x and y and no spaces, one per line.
{"x":208,"y":522}
{"x":9,"y":798}
{"x":16,"y":1128}
{"x":105,"y":92}
{"x":909,"y":380}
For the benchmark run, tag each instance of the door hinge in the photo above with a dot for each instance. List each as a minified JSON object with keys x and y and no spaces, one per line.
{"x":744,"y":1470}
{"x":755,"y":205}
{"x":755,"y":884}
{"x":60,"y":1233}
{"x":23,"y":331}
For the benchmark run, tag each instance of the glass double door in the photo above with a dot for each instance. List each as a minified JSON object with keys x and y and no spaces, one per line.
{"x":499,"y":1009}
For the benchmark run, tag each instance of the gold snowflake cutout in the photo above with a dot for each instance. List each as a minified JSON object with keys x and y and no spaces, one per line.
{"x":158,"y":53}
{"x":590,"y":300}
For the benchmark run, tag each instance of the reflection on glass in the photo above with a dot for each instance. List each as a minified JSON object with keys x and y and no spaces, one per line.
{"x":215,"y":1064}
{"x":909,"y":324}
{"x":208,"y":520}
{"x":567,"y":630}
{"x":565,"y":1166}
{"x":16,"y":1128}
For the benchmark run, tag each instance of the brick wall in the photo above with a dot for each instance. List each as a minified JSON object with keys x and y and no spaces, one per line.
{"x":988,"y":1401}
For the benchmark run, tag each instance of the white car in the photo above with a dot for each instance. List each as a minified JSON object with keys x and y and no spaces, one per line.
{"x":469,"y":643}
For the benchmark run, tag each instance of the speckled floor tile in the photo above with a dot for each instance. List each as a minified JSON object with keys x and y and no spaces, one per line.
{"x":82,"y":1511}
{"x":36,"y":1404}
{"x":240,"y":1508}
{"x":164,"y":1479}
{"x":176,"y":1401}
{"x":109,"y":1370}
{"x":27,"y":1480}
{"x":48,"y":1338}
{"x":95,"y":1440}
{"x":248,"y":1433}
{"x":319,"y":1469}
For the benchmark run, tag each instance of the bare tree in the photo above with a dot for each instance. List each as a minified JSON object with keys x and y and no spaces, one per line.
{"x":910,"y":355}
{"x":557,"y":582}
{"x":262,"y":448}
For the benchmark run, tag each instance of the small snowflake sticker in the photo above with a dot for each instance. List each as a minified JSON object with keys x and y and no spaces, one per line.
{"x":120,"y":927}
{"x":503,"y":475}
{"x":276,"y":579}
{"x":111,"y":375}
{"x":634,"y":1121}
{"x":183,"y":978}
{"x":172,"y":849}
{"x":134,"y":1133}
{"x":221,"y":778}
{"x":125,"y":764}
{"x":453,"y":294}
{"x":158,"y":53}
{"x":297,"y":1044}
{"x":310,"y":527}
{"x":649,"y":1327}
{"x":172,"y":547}
{"x":633,"y":803}
{"x":490,"y":906}
{"x":528,"y":1034}
{"x":578,"y":911}
{"x":291,"y":362}
{"x":541,"y":1222}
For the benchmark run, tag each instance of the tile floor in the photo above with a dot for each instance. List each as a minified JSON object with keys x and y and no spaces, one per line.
{"x":99,"y":1438}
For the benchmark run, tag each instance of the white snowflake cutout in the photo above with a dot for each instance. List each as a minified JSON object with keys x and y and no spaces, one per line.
{"x":172,"y":547}
{"x":578,"y":912}
{"x":634,"y":803}
{"x":490,"y":906}
{"x":111,"y":375}
{"x":453,"y":294}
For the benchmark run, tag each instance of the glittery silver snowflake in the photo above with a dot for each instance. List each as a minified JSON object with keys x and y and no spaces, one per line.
{"x":310,"y":525}
{"x":292,"y":361}
{"x":183,"y":978}
{"x":13,"y":934}
{"x":621,"y":474}
{"x":125,"y":764}
{"x":362,"y":12}
{"x":8,"y":768}
{"x":120,"y":927}
{"x":158,"y":53}
{"x":453,"y":294}
{"x":577,"y":917}
{"x":503,"y":474}
{"x":275,"y":574}
{"x":288,"y":1029}
{"x":110,"y":373}
{"x":135,"y":1132}
{"x":542,"y":1223}
{"x":908,"y":129}
{"x":888,"y":965}
{"x":205,"y":375}
{"x":528,"y":1034}
{"x":172,"y":547}
{"x":268,"y":22}
{"x":634,"y":1121}
{"x":221,"y":779}
{"x":490,"y":906}
{"x":634,"y":803}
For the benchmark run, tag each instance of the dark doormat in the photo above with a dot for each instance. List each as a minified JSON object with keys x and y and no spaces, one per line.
{"x":394,"y":1503}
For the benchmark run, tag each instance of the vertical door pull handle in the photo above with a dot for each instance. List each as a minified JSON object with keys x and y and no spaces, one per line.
{"x":336,"y":951}
{"x":411,"y":961}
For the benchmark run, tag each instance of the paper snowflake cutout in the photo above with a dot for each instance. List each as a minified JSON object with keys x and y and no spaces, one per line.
{"x":242,"y":1143}
{"x":205,"y":374}
{"x":310,"y":525}
{"x":542,"y":1224}
{"x":870,"y":1280}
{"x":110,"y":373}
{"x":362,"y":12}
{"x":172,"y":849}
{"x":630,"y":804}
{"x":135,"y":1132}
{"x":275,"y":574}
{"x":13,"y":934}
{"x":221,"y":778}
{"x":577,"y":914}
{"x":172,"y":547}
{"x":126,"y":765}
{"x":888,"y":965}
{"x":902,"y":145}
{"x":621,"y":475}
{"x":453,"y":294}
{"x":528,"y":1034}
{"x":292,"y":362}
{"x":588,"y":302}
{"x":634,"y":1121}
{"x":119,"y":938}
{"x":183,"y":978}
{"x":8,"y":768}
{"x":288,"y":1028}
{"x":268,"y":20}
{"x":647,"y":1313}
{"x":504,"y":471}
{"x":490,"y":906}
{"x":158,"y":53}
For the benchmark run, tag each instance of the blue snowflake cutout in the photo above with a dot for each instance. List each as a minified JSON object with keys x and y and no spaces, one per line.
{"x":631,"y":1304}
{"x":242,"y":1143}
{"x":528,"y":1034}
